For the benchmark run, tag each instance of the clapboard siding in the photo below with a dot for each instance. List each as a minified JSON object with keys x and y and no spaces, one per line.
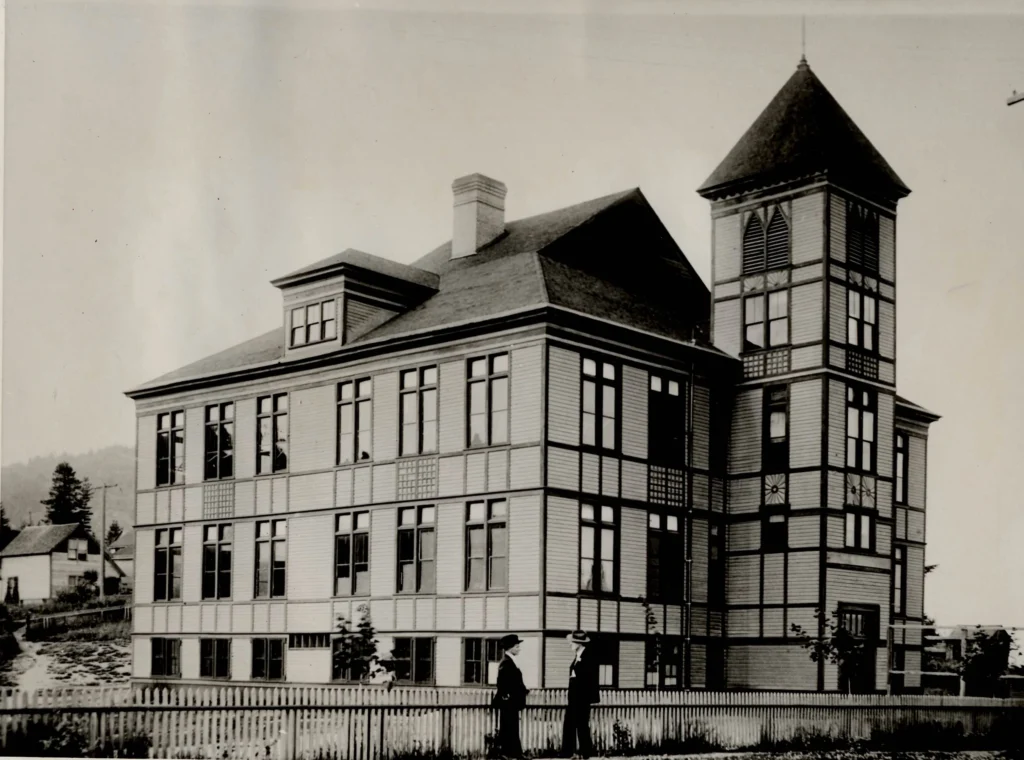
{"x":857,"y":587}
{"x":143,"y":581}
{"x":142,"y":657}
{"x":916,"y":475}
{"x":808,"y":228}
{"x":837,"y":229}
{"x":385,"y":416}
{"x":727,"y":247}
{"x":383,"y":539}
{"x":527,"y":387}
{"x":804,"y":531}
{"x":805,"y":357}
{"x":887,"y":248}
{"x":634,"y":412}
{"x":915,"y":525}
{"x":701,"y":426}
{"x":836,"y":423}
{"x":191,"y":562}
{"x":744,"y":623}
{"x":745,"y":536}
{"x":634,"y":480}
{"x":805,"y":423}
{"x":883,"y":539}
{"x":524,"y":468}
{"x":805,"y":489}
{"x":887,"y":329}
{"x":524,"y":543}
{"x":563,"y":396}
{"x":837,"y":312}
{"x":241,"y":658}
{"x":450,"y":548}
{"x":312,"y":427}
{"x":726,"y":331}
{"x":633,"y":552}
{"x":699,"y":566}
{"x":802,"y":577}
{"x":744,"y":580}
{"x":834,"y":530}
{"x":563,"y":540}
{"x":314,"y":491}
{"x":886,"y":430}
{"x":745,"y":452}
{"x":145,"y":508}
{"x":310,"y":556}
{"x":243,"y":570}
{"x":773,"y":621}
{"x":451,"y":407}
{"x":591,"y":473}
{"x":744,"y":495}
{"x":779,"y":667}
{"x":448,"y":660}
{"x":915,"y":581}
{"x":245,"y":438}
{"x":807,"y":311}
{"x":631,"y":665}
{"x":194,"y":440}
{"x":563,"y":469}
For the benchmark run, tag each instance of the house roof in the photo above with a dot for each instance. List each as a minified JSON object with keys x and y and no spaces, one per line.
{"x":803,"y":132}
{"x":38,"y":539}
{"x":351,"y":258}
{"x":916,"y":410}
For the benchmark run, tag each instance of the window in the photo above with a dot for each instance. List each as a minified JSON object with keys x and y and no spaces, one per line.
{"x":857,"y":673}
{"x":355,"y":421}
{"x":166,"y":658}
{"x":775,"y":449}
{"x":418,"y":411}
{"x":664,"y":657}
{"x":759,"y":323}
{"x":78,"y":549}
{"x":606,"y":652}
{"x":215,"y":658}
{"x":416,"y":550}
{"x":600,"y":407}
{"x":217,"y":561}
{"x":860,"y":528}
{"x":413,"y":660}
{"x":12,"y":596}
{"x":268,"y":659}
{"x":313,"y":323}
{"x":862,"y":320}
{"x":220,"y":441}
{"x":74,"y":581}
{"x":766,"y":249}
{"x":352,"y":553}
{"x":860,"y":429}
{"x":481,"y":658}
{"x":665,"y":552}
{"x":899,"y":580}
{"x":272,"y":414}
{"x":488,"y":400}
{"x":716,"y":565}
{"x":309,"y":641}
{"x":170,"y":448}
{"x":666,"y":404}
{"x":774,"y":530}
{"x":486,"y":545}
{"x":597,"y":549}
{"x":861,"y":238}
{"x":167,"y":564}
{"x":271,"y":552}
{"x":902,"y":459}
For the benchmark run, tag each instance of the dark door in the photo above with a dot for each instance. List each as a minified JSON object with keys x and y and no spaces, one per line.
{"x":857,"y":672}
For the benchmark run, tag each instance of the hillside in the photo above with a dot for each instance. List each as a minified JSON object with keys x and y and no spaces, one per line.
{"x":25,"y":484}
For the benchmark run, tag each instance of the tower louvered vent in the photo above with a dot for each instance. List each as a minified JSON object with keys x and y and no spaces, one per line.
{"x":753,"y":246}
{"x":778,"y":242}
{"x":862,"y":238}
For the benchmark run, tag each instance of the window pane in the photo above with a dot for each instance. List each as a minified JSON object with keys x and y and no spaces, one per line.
{"x":313,"y":313}
{"x":478,"y":368}
{"x":408,"y":379}
{"x":499,"y":509}
{"x":852,"y":423}
{"x":851,"y":529}
{"x":673,"y":388}
{"x":499,"y":363}
{"x":589,"y":397}
{"x":672,"y":523}
{"x":586,"y":574}
{"x":430,"y":376}
{"x":608,"y":401}
{"x":476,"y":567}
{"x":607,"y":514}
{"x":607,"y":544}
{"x":477,"y":511}
{"x":608,"y":371}
{"x":590,"y":367}
{"x":754,"y":309}
{"x":869,"y":310}
{"x":778,"y":304}
{"x":853,"y":332}
{"x":865,"y":532}
{"x":427,"y":515}
{"x":755,"y":335}
{"x":608,"y":432}
{"x":654,"y":521}
{"x":499,"y":426}
{"x":407,"y":516}
{"x":853,"y":304}
{"x":777,"y":425}
{"x":587,"y":542}
{"x":587,"y":512}
{"x":499,"y":393}
{"x":344,"y":523}
{"x":345,"y":391}
{"x":477,"y":398}
{"x":778,"y":332}
{"x":655,"y":383}
{"x":499,"y":576}
{"x":868,"y":426}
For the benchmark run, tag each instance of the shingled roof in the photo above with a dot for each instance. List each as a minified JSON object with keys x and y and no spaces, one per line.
{"x":38,"y":539}
{"x":803,"y":132}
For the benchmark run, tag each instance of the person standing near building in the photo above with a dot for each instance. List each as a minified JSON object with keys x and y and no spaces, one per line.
{"x":510,"y":698}
{"x":584,"y":691}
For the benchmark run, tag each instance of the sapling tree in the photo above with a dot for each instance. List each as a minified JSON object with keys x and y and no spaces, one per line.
{"x":834,"y":644}
{"x":355,"y":651}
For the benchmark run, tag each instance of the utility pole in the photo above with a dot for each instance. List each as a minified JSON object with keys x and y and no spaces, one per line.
{"x":103,"y":540}
{"x":1017,"y":97}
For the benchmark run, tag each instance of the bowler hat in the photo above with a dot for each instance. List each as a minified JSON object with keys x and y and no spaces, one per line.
{"x":509,"y":641}
{"x":578,"y":637}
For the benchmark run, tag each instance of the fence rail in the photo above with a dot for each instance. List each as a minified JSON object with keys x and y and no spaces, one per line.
{"x":372,"y":723}
{"x":78,"y":617}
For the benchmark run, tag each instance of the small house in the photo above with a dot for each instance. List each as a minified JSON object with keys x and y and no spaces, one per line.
{"x":122,"y":552}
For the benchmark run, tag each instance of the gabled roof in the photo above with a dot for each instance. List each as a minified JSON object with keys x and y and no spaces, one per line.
{"x":803,"y":132}
{"x":914,"y":410}
{"x":353,"y":259}
{"x":38,"y":539}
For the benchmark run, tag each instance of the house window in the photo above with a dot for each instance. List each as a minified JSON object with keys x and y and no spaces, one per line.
{"x":78,"y":549}
{"x":170,"y":448}
{"x":166,"y":658}
{"x":220,"y":441}
{"x":418,"y":411}
{"x":902,"y":459}
{"x":217,"y":561}
{"x":861,"y":238}
{"x":488,"y":400}
{"x":600,"y":405}
{"x":860,"y":429}
{"x":416,"y":550}
{"x":355,"y":421}
{"x":665,"y":553}
{"x":313,"y":323}
{"x":272,"y":448}
{"x":606,"y":652}
{"x":899,"y":580}
{"x":12,"y":596}
{"x":352,"y":553}
{"x":215,"y":658}
{"x":271,"y":554}
{"x":775,"y":431}
{"x":167,"y":564}
{"x":716,"y":565}
{"x":597,"y":549}
{"x":309,"y":641}
{"x":860,"y":528}
{"x":666,"y":404}
{"x":268,"y":659}
{"x":413,"y":660}
{"x":764,"y":328}
{"x":74,"y":581}
{"x":486,"y":545}
{"x":862,"y":320}
{"x":481,"y":658}
{"x":774,"y":530}
{"x":664,"y":658}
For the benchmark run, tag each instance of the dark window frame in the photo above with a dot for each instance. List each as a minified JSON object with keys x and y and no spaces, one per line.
{"x":862,"y":332}
{"x":775,"y":448}
{"x":863,"y":402}
{"x":901,"y":449}
{"x":424,"y":568}
{"x":355,"y":398}
{"x":424,"y":392}
{"x":666,"y":563}
{"x":762,"y":320}
{"x":488,"y":523}
{"x":265,"y":665}
{"x":899,"y":581}
{"x":667,"y":442}
{"x":477,"y":654}
{"x":351,"y":540}
{"x":215,"y":658}
{"x":218,"y":427}
{"x":313,"y":331}
{"x":716,"y":564}
{"x":165,"y":657}
{"x":407,"y":669}
{"x":167,"y":551}
{"x":605,"y":408}
{"x":170,"y":448}
{"x":214,"y":573}
{"x":494,"y":374}
{"x":276,"y":454}
{"x":662,"y":656}
{"x":603,"y":519}
{"x":276,"y":581}
{"x":860,"y":528}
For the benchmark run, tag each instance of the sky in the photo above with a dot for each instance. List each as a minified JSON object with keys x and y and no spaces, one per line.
{"x":164,"y":160}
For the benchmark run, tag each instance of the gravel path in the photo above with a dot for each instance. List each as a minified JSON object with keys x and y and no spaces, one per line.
{"x":56,"y":664}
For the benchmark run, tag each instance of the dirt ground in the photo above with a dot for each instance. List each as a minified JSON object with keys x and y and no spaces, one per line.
{"x":56,"y":664}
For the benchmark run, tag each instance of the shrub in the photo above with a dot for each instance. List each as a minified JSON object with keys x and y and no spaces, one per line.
{"x":68,"y":737}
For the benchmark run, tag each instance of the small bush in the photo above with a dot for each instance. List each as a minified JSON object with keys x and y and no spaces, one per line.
{"x":68,"y":737}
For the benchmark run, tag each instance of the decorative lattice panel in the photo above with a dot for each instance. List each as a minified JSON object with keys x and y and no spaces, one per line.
{"x":667,"y":486}
{"x":777,"y":362}
{"x":861,"y":364}
{"x":218,"y":501}
{"x":417,"y":479}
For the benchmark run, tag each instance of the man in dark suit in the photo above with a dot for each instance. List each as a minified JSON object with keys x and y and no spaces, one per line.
{"x":510,"y":698}
{"x":583,"y":692}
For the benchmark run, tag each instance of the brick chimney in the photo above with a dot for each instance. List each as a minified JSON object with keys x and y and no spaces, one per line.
{"x":479,"y":213}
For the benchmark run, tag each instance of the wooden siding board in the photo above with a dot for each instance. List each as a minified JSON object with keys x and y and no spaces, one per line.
{"x":245,"y":437}
{"x":634,"y":412}
{"x":632,"y":658}
{"x":194,"y":440}
{"x":727,"y":247}
{"x":805,"y":423}
{"x":634,"y":480}
{"x":448,"y":656}
{"x":476,"y":473}
{"x":836,"y":423}
{"x":774,"y":667}
{"x":563,"y":469}
{"x":914,"y":525}
{"x":591,"y":464}
{"x":807,"y":311}
{"x":699,"y":565}
{"x":311,"y":556}
{"x":745,"y":451}
{"x":451,"y":476}
{"x":524,"y":543}
{"x":451,"y":407}
{"x":563,"y":532}
{"x":563,"y":396}
{"x":805,"y":357}
{"x":745,"y":536}
{"x":808,"y":229}
{"x":837,"y":228}
{"x":701,"y":426}
{"x":385,"y":483}
{"x":343,"y":488}
{"x":523,"y":613}
{"x":744,"y":495}
{"x":887,"y":247}
{"x":916,"y":466}
{"x":524,"y":468}
{"x":497,"y":470}
{"x":886,"y":431}
{"x":144,"y":548}
{"x":915,"y":581}
{"x":451,"y":550}
{"x":385,"y":416}
{"x":887,"y":330}
{"x":744,"y":622}
{"x":633,"y":552}
{"x":312,"y":427}
{"x":314,"y":491}
{"x":560,"y":613}
{"x":145,"y":508}
{"x":527,"y":394}
{"x":243,"y":571}
{"x":191,"y":562}
{"x":802,"y":577}
{"x":805,"y":489}
{"x":743,"y":580}
{"x":727,"y":327}
{"x":837,"y":312}
{"x":383,"y":540}
{"x":804,"y":531}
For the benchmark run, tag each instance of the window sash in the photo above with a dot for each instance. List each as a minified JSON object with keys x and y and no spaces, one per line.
{"x":272,"y":434}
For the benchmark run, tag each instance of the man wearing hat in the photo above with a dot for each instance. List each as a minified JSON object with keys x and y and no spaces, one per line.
{"x":510,"y":698}
{"x":583,"y":692}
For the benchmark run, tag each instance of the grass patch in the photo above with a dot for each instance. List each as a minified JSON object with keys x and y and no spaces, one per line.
{"x":119,"y":632}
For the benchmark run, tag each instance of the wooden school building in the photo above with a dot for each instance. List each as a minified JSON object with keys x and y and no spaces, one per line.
{"x":552,"y":423}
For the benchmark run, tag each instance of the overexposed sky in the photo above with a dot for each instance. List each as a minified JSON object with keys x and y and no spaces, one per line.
{"x":164,"y":160}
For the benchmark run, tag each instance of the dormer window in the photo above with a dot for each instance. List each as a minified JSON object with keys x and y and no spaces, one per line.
{"x":312,"y":323}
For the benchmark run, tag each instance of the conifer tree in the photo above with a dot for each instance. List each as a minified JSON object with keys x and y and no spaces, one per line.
{"x":69,"y":497}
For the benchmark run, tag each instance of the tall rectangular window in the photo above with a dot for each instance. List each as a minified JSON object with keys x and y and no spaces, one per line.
{"x":219,"y":442}
{"x":600,"y":405}
{"x":775,"y":430}
{"x":861,"y":406}
{"x":666,"y":414}
{"x":862,"y":320}
{"x":597,"y":549}
{"x":488,"y":400}
{"x":902,"y":460}
{"x":78,"y":549}
{"x":774,"y":530}
{"x":272,"y":430}
{"x":664,"y":658}
{"x":416,"y":555}
{"x":352,"y":553}
{"x":170,"y":448}
{"x":665,"y":553}
{"x":413,"y":660}
{"x":267,"y":659}
{"x":480,"y":660}
{"x":860,"y":528}
{"x":165,"y":658}
{"x":899,"y":580}
{"x":418,"y":411}
{"x":716,"y":565}
{"x":313,"y":323}
{"x":167,"y":564}
{"x":355,"y":421}
{"x":215,"y":658}
{"x":217,"y":561}
{"x":766,"y":327}
{"x":486,"y":545}
{"x":271,"y":556}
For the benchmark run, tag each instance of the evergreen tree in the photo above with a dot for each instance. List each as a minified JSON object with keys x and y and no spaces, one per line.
{"x":7,"y":533}
{"x":355,"y":652}
{"x":113,"y":532}
{"x":69,"y":497}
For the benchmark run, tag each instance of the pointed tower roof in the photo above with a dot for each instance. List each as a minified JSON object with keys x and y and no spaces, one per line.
{"x":803,"y":132}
